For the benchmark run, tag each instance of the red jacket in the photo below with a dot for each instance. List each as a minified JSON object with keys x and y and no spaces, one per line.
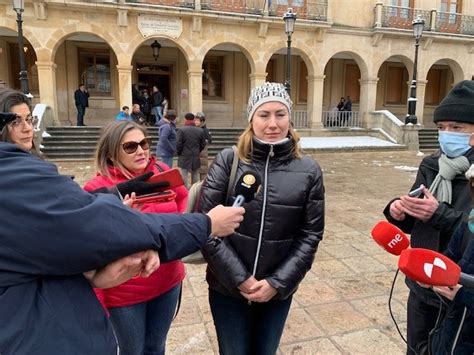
{"x":168,"y":275}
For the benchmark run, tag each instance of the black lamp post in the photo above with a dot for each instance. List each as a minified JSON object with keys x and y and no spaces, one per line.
{"x":418,"y":25}
{"x":19,"y":7}
{"x":155,"y":47}
{"x":290,"y":19}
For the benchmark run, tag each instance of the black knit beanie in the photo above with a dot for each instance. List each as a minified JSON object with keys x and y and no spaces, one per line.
{"x":458,"y":105}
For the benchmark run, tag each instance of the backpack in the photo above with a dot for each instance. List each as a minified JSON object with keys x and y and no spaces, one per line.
{"x":192,"y":206}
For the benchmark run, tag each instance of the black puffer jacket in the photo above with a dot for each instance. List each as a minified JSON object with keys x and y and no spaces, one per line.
{"x":282,"y":227}
{"x":435,"y":233}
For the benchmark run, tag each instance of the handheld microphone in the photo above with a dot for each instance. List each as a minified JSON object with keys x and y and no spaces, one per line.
{"x":432,"y":268}
{"x":246,"y":188}
{"x":390,"y":237}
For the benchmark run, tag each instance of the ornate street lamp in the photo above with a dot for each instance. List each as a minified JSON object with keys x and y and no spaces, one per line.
{"x":290,"y":19}
{"x":155,"y":47}
{"x":418,"y":25}
{"x":19,"y":7}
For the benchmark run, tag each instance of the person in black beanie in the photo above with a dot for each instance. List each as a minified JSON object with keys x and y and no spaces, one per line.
{"x":432,"y":219}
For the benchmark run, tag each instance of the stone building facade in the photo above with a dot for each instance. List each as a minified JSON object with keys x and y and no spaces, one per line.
{"x":213,"y":52}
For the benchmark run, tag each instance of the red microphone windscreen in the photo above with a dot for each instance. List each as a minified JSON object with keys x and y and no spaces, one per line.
{"x":390,"y":237}
{"x":429,"y":267}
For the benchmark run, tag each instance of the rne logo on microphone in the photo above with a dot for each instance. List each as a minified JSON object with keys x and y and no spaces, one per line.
{"x":428,"y":267}
{"x":397,"y":239}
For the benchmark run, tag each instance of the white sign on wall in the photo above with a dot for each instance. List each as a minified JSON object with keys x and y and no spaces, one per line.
{"x":150,"y":25}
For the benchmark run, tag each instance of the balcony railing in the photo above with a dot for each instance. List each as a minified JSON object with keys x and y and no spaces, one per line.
{"x":239,"y":6}
{"x":305,"y":9}
{"x":454,"y":23}
{"x":435,"y":21}
{"x":174,"y":3}
{"x":341,"y":119}
{"x":402,"y":17}
{"x":300,"y":119}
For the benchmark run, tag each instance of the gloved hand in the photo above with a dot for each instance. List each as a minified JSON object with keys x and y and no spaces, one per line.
{"x":140,"y":186}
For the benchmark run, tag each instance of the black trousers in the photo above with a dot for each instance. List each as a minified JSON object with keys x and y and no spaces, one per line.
{"x":421,"y":319}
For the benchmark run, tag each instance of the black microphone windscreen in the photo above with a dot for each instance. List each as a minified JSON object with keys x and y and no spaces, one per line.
{"x":247,"y":185}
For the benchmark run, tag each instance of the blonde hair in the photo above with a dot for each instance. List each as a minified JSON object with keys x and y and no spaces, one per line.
{"x":108,"y":148}
{"x":245,"y":143}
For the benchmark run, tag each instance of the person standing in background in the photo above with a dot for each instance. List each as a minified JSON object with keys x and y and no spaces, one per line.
{"x":135,"y":94}
{"x":166,"y":147}
{"x":200,"y":121}
{"x":165,"y":105}
{"x":190,"y":142}
{"x":157,"y":101}
{"x":81,"y":98}
{"x":145,"y":106}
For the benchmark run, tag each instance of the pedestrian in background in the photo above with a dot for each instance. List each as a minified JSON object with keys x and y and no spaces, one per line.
{"x":166,"y":147}
{"x":124,"y":115}
{"x":141,"y":309}
{"x":190,"y":142}
{"x":157,"y":101}
{"x":137,"y":115}
{"x":200,"y":121}
{"x":432,"y":219}
{"x":81,"y":98}
{"x":253,"y":274}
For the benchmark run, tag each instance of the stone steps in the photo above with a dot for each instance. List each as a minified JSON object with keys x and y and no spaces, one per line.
{"x":428,"y":139}
{"x":79,"y":143}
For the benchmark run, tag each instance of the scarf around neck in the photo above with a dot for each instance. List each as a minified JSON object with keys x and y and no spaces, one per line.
{"x":449,"y":168}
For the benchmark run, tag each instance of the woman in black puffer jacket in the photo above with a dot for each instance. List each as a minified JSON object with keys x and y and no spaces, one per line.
{"x":253,"y":274}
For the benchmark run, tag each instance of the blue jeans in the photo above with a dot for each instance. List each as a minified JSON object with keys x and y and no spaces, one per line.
{"x":158,"y":114}
{"x":167,"y":160}
{"x":244,"y":329}
{"x":81,"y":110}
{"x":142,"y":328}
{"x":194,"y":176}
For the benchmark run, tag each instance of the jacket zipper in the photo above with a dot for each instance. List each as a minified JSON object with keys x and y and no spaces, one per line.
{"x":264,"y":207}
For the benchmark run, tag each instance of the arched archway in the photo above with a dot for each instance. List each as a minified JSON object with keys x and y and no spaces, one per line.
{"x":10,"y":63}
{"x":84,"y":57}
{"x":392,"y":87}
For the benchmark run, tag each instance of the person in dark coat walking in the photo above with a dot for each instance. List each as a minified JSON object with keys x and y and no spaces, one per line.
{"x":166,"y":147}
{"x":81,"y":98}
{"x":157,"y":101}
{"x":190,"y":142}
{"x":253,"y":274}
{"x":432,"y":219}
{"x":53,"y":232}
{"x":200,"y":121}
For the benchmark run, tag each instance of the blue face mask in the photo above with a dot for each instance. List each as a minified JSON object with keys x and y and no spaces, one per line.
{"x":454,"y":144}
{"x":471,"y":222}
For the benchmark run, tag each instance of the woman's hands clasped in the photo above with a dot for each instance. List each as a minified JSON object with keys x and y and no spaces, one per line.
{"x":257,"y":290}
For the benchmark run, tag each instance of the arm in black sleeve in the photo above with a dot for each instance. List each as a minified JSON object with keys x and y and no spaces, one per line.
{"x":53,"y":227}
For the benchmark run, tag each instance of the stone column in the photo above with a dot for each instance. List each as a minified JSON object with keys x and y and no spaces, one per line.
{"x":195,"y":89}
{"x":315,"y":100}
{"x":125,"y":85}
{"x":47,"y":78}
{"x":367,"y":101}
{"x":257,"y":79}
{"x":420,"y":99}
{"x":378,"y":14}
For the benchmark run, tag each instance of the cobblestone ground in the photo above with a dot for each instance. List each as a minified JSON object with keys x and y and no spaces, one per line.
{"x":341,"y":306}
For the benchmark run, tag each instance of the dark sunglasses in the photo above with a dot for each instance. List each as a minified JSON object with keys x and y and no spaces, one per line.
{"x":131,"y":147}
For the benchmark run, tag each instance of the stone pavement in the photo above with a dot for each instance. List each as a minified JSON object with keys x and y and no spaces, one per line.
{"x":341,"y":306}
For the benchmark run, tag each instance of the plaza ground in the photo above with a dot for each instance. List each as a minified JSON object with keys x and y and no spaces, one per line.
{"x":341,"y":306}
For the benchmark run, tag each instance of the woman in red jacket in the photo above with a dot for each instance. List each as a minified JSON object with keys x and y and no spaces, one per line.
{"x":141,"y":309}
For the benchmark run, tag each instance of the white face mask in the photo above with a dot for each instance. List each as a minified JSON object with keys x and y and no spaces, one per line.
{"x":454,"y":144}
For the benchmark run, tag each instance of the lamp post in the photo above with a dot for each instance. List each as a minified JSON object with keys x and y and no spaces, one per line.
{"x":19,"y":7}
{"x":418,"y":25}
{"x":290,"y":19}
{"x":155,"y":47}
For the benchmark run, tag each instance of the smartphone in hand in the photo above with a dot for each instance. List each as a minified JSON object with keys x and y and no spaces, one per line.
{"x":417,"y":192}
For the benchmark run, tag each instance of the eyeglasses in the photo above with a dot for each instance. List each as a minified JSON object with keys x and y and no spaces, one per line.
{"x":19,"y":122}
{"x":131,"y":147}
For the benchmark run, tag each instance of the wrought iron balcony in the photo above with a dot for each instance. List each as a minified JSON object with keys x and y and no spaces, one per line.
{"x":435,"y":21}
{"x":306,"y":9}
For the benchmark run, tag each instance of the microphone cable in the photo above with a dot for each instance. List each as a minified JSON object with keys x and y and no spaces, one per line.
{"x":391,"y":312}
